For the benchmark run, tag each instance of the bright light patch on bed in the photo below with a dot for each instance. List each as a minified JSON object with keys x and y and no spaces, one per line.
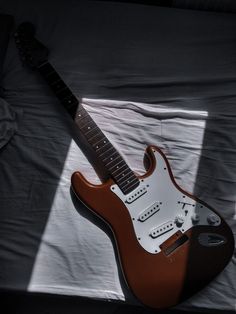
{"x":75,"y":257}
{"x":179,"y":133}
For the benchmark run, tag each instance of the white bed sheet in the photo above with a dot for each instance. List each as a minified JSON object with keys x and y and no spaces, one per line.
{"x":147,"y":76}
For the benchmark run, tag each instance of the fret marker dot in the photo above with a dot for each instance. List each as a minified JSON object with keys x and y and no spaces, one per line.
{"x":104,"y":142}
{"x":89,"y":128}
{"x":117,"y":167}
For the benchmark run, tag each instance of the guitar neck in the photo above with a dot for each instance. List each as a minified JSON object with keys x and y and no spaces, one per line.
{"x":60,"y":89}
{"x":105,"y":151}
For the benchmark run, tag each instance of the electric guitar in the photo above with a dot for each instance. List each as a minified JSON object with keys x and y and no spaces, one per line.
{"x":170,"y":243}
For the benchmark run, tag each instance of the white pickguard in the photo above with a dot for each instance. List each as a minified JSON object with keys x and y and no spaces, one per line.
{"x":158,"y":209}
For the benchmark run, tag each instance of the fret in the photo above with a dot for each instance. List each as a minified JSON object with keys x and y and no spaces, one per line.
{"x":57,"y":81}
{"x":62,"y":94}
{"x":52,"y":78}
{"x":127,"y":182}
{"x":94,"y":136}
{"x":131,"y":187}
{"x":84,"y":120}
{"x":91,"y":132}
{"x":50,"y":75}
{"x":88,"y":128}
{"x":84,"y":124}
{"x":102,"y":147}
{"x":106,"y":152}
{"x":123,"y":176}
{"x":91,"y":129}
{"x":109,"y":153}
{"x":135,"y":183}
{"x":96,"y":143}
{"x":127,"y":179}
{"x":46,"y":68}
{"x":111,"y":160}
{"x":118,"y":168}
{"x":69,"y":100}
{"x":71,"y":104}
{"x":57,"y":85}
{"x":82,"y":112}
{"x":58,"y":89}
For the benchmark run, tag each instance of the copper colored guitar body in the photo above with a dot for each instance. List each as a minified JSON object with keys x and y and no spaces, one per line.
{"x":183,"y":265}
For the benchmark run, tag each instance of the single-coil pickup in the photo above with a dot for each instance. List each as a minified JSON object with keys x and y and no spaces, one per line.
{"x":158,"y":231}
{"x":136,"y":194}
{"x":147,"y":213}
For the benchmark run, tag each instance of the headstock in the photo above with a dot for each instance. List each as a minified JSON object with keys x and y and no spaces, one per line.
{"x":32,"y":52}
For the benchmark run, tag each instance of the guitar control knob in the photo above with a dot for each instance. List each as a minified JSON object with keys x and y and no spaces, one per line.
{"x":213,"y":219}
{"x":195,"y":218}
{"x":179,"y":220}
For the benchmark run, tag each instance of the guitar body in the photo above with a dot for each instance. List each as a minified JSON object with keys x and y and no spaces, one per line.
{"x":173,"y":251}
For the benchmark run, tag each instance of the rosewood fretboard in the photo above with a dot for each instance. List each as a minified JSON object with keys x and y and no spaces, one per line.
{"x":105,"y":151}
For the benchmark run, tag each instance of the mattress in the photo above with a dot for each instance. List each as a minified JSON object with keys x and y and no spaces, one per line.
{"x":147,"y":75}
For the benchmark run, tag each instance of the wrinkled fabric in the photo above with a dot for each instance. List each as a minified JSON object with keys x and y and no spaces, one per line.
{"x":8,"y":122}
{"x":147,"y":76}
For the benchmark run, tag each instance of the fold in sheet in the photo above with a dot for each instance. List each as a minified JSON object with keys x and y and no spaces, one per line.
{"x":8,"y":122}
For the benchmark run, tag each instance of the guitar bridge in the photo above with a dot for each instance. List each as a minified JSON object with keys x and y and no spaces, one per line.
{"x":174,"y":242}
